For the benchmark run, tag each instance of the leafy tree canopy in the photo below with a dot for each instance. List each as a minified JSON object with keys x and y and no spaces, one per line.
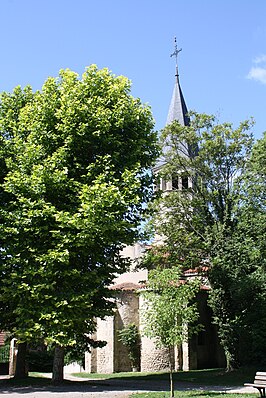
{"x":217,"y":220}
{"x":75,"y":178}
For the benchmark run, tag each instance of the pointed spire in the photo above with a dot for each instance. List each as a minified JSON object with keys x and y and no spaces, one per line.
{"x":178,"y":109}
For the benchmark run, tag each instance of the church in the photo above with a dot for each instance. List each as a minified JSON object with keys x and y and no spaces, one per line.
{"x":202,"y":351}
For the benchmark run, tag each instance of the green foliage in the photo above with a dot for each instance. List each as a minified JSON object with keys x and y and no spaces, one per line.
{"x":130,"y":338}
{"x":214,"y":157}
{"x":218,"y":222}
{"x":238,"y":271}
{"x":40,"y":360}
{"x":170,"y":307}
{"x":170,"y":314}
{"x":4,"y":353}
{"x":74,"y":180}
{"x":256,"y":174}
{"x":76,"y":353}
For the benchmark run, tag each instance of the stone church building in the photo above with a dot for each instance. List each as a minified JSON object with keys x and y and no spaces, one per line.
{"x":201,"y":352}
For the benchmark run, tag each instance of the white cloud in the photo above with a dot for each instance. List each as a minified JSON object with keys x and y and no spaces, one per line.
{"x":260,"y":59}
{"x":258,"y":72}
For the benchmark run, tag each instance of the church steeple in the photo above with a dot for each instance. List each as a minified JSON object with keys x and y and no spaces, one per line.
{"x":178,"y":109}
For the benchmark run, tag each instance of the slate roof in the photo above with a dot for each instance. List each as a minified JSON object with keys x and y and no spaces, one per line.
{"x":178,"y":109}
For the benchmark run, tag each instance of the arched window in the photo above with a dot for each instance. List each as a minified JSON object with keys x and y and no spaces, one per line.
{"x":184,"y":182}
{"x":175,"y":182}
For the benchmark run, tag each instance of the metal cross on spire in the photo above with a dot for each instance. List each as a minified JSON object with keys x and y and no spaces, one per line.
{"x":175,"y":54}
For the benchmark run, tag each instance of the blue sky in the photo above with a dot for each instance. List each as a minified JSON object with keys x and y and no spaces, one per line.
{"x":222,"y":65}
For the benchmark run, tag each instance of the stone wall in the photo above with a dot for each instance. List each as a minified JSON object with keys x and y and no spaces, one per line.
{"x":91,"y":360}
{"x":114,"y":356}
{"x":126,"y":314}
{"x":153,"y":359}
{"x":202,"y":351}
{"x":105,"y":355}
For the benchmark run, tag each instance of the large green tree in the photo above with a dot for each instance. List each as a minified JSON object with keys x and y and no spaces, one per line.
{"x":74,"y":182}
{"x":238,"y":269}
{"x":203,"y":222}
{"x":252,"y":230}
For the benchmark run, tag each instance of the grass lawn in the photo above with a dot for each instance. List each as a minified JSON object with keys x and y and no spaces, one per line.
{"x":209,"y":377}
{"x":193,"y":394}
{"x":215,"y":377}
{"x":204,"y":377}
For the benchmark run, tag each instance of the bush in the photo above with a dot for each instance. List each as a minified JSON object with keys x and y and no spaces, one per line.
{"x":129,"y":337}
{"x":40,"y":360}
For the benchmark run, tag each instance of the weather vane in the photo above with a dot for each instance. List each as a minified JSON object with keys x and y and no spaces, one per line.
{"x":176,"y":52}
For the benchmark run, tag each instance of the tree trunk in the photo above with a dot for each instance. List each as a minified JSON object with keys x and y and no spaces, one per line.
{"x":58,"y":365}
{"x":231,"y":354}
{"x":21,"y":371}
{"x":172,"y":390}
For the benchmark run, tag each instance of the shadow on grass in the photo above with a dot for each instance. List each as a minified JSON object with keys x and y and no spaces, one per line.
{"x":192,"y":383}
{"x":203,"y":377}
{"x":43,"y":384}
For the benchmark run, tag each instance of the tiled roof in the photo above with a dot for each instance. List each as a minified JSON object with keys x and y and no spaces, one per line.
{"x":2,"y":338}
{"x":197,"y":270}
{"x":129,"y":286}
